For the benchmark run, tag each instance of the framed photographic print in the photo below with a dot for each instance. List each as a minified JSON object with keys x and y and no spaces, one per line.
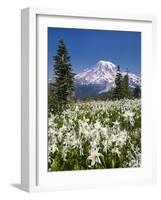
{"x":87,"y":113}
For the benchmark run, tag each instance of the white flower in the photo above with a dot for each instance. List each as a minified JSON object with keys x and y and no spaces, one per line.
{"x":94,"y":144}
{"x":53,"y":148}
{"x":113,"y":138}
{"x":60,"y":136}
{"x":105,"y":146}
{"x":76,"y":108}
{"x":85,"y":125}
{"x":115,"y":150}
{"x":64,"y":152}
{"x":75,"y":143}
{"x":132,"y":122}
{"x":122,"y":137}
{"x":81,"y":150}
{"x":128,"y":114}
{"x":97,"y":125}
{"x":116,"y":124}
{"x":49,"y":159}
{"x":95,"y":156}
{"x":104,"y":132}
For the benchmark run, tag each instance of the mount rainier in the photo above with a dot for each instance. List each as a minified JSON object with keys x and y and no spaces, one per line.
{"x":100,"y":79}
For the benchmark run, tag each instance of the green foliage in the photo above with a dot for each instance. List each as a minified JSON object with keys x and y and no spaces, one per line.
{"x":125,"y":86}
{"x":64,"y":80}
{"x":137,"y":92}
{"x":110,"y":94}
{"x":117,"y":93}
{"x":51,"y":99}
{"x":121,"y":89}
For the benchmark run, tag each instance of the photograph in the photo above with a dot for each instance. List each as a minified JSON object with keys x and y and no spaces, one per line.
{"x":94,"y":99}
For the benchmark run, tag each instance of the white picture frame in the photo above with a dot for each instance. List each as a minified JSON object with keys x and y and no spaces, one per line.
{"x":34,"y":176}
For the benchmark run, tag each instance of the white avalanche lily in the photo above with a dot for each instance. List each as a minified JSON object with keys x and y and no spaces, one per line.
{"x":116,"y":124}
{"x":95,"y":156}
{"x":97,"y":131}
{"x":53,"y":148}
{"x":128,"y":114}
{"x":97,"y":125}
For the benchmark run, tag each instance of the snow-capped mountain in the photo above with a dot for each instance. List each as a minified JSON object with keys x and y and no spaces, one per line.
{"x":103,"y":75}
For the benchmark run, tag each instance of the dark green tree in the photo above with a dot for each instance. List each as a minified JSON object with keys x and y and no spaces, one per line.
{"x":64,"y":78}
{"x":51,"y":97}
{"x":137,"y":92}
{"x":117,"y":93}
{"x":125,"y":86}
{"x":110,"y":94}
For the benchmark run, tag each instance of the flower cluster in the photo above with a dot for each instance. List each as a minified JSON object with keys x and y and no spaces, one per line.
{"x":95,"y":135}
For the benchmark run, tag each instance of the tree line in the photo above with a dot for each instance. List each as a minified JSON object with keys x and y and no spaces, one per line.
{"x":122,"y":89}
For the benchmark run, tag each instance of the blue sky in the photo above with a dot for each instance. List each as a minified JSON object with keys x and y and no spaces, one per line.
{"x":87,"y":47}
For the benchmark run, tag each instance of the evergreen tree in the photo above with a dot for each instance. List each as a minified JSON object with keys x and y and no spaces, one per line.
{"x":51,"y":99}
{"x":117,"y":93}
{"x":137,"y":92}
{"x":110,"y":94}
{"x":125,"y":86}
{"x":64,"y":78}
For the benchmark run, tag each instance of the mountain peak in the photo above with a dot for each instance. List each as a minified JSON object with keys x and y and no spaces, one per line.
{"x":104,"y":62}
{"x":105,"y":66}
{"x":103,"y":73}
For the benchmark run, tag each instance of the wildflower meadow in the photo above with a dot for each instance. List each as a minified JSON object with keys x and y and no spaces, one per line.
{"x":95,"y":135}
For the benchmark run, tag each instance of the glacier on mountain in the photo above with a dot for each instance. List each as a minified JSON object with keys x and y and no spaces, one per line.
{"x":104,"y":73}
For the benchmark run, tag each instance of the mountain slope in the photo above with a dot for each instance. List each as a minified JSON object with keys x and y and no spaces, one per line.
{"x":102,"y":76}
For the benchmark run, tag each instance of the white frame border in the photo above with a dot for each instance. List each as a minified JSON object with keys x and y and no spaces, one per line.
{"x":29,"y":85}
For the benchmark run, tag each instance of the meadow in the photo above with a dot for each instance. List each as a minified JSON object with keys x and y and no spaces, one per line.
{"x":95,"y":135}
